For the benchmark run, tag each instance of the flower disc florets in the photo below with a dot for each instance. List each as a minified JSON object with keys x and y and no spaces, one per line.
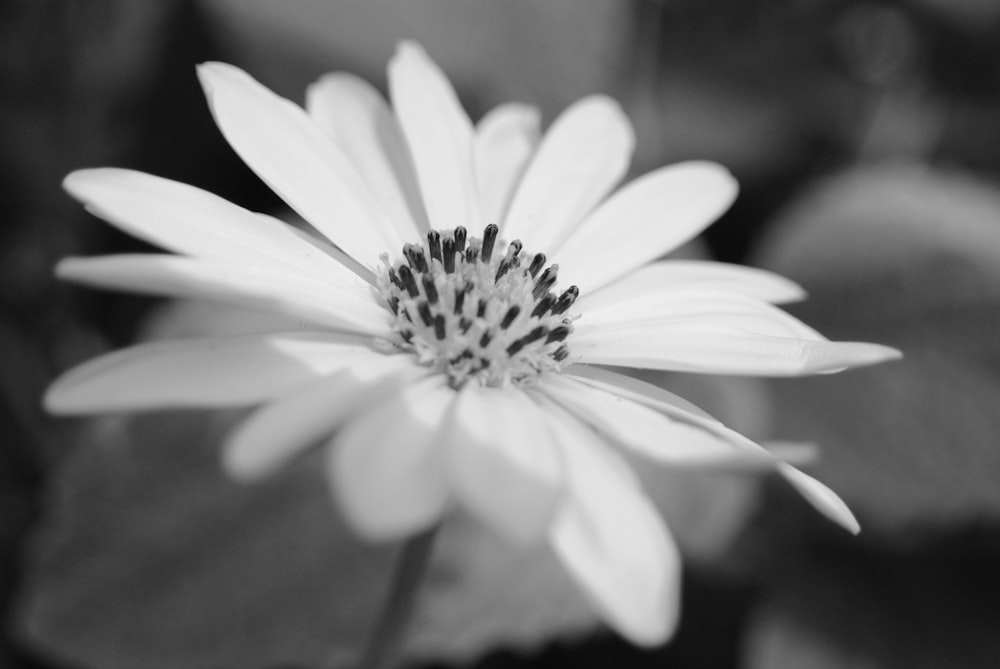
{"x":474,"y":312}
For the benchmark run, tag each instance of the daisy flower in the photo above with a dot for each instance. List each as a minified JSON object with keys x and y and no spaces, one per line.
{"x":458,"y":318}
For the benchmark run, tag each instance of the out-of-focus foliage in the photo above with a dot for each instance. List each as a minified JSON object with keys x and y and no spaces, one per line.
{"x":907,"y":255}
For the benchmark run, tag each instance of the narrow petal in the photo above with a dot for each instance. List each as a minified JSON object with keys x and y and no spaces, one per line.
{"x":387,"y":468}
{"x":581,"y":158}
{"x":658,"y":278}
{"x":275,"y":289}
{"x":684,"y":305}
{"x":821,"y":497}
{"x":689,"y":441}
{"x":600,"y":377}
{"x":647,"y":218}
{"x":193,"y":222}
{"x":505,"y":140}
{"x":299,"y":161}
{"x":504,"y":465}
{"x":216,"y":372}
{"x":361,"y":123}
{"x":825,"y":500}
{"x":278,"y":431}
{"x":440,"y":136}
{"x":687,"y":346}
{"x":612,"y":541}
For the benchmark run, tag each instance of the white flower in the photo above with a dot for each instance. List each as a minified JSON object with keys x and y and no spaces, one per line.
{"x":471,"y":280}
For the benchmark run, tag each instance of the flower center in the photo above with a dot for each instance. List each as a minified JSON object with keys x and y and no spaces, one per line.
{"x":473,"y":312}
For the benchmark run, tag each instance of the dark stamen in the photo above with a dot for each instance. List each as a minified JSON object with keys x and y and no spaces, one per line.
{"x":395,"y":279}
{"x":406,"y":276}
{"x":424,"y":310}
{"x":536,"y":264}
{"x":448,"y":254}
{"x":532,"y":336}
{"x":536,"y":334}
{"x":394,"y":305}
{"x":470,"y":255}
{"x":561,"y":353}
{"x":558,"y":334}
{"x":459,"y":236}
{"x":407,"y":335}
{"x":408,"y":254}
{"x":510,"y":260}
{"x":481,"y":308}
{"x":439,"y":326}
{"x":434,"y":244}
{"x":460,"y":298}
{"x":489,"y":239}
{"x":464,"y":324}
{"x":415,"y":256}
{"x":502,"y":269}
{"x":485,"y":340}
{"x":545,"y":281}
{"x":430,"y":290}
{"x":566,"y":300}
{"x":510,"y":316}
{"x":543,"y":305}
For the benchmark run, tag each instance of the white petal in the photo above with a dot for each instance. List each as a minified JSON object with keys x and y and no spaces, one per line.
{"x":359,"y":120}
{"x":505,"y":139}
{"x":216,"y":372}
{"x":820,"y":496}
{"x":716,"y":349}
{"x":581,"y":158}
{"x":605,"y":378}
{"x":190,"y":221}
{"x":682,"y":306}
{"x":649,"y":217}
{"x":299,"y":161}
{"x":669,"y":438}
{"x":440,"y":136}
{"x":612,"y":541}
{"x":669,"y":275}
{"x":387,"y":468}
{"x":504,"y":465}
{"x":275,"y":289}
{"x":278,"y":431}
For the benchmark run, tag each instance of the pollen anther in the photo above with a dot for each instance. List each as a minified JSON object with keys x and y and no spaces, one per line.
{"x":474,"y":314}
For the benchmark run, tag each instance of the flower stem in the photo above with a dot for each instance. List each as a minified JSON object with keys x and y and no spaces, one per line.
{"x":387,"y":636}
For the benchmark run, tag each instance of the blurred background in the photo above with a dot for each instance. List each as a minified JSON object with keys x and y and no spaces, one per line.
{"x":866,"y":139}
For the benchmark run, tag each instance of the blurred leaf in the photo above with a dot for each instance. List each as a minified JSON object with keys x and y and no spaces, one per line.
{"x":151,"y":558}
{"x":888,"y":613}
{"x":909,"y":257}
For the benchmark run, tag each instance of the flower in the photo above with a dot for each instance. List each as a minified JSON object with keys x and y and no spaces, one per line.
{"x":455,"y":319}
